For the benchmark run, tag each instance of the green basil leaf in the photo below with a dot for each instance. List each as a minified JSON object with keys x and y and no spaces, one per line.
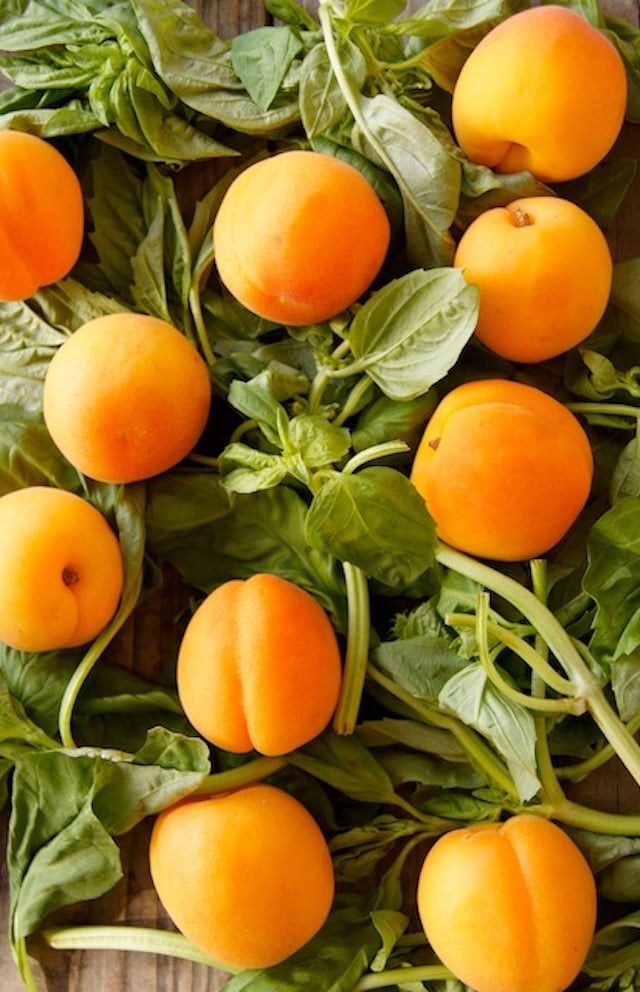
{"x":420,"y":665}
{"x":376,"y":520}
{"x":65,"y":802}
{"x":322,"y":102}
{"x":333,"y":960}
{"x":625,"y":683}
{"x":510,"y":728}
{"x":247,"y":470}
{"x":410,"y":333}
{"x":393,"y":420}
{"x":374,"y":12}
{"x":261,"y":59}
{"x":193,"y":524}
{"x":344,"y":763}
{"x":317,"y":441}
{"x":196,"y":66}
{"x":27,"y":344}
{"x":612,"y":579}
{"x":427,"y":174}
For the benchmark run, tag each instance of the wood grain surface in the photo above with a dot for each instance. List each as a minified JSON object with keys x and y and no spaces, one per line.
{"x":149,"y":638}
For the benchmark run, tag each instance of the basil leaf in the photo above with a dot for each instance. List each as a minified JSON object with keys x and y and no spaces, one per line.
{"x":625,"y":683}
{"x":421,"y":665}
{"x":427,"y":174}
{"x":193,"y":524}
{"x":334,"y":959}
{"x":196,"y":66}
{"x":410,"y":333}
{"x":246,"y":470}
{"x":374,"y":12}
{"x":612,"y":579}
{"x":510,"y":728}
{"x":376,"y":520}
{"x":317,"y":441}
{"x":63,"y":802}
{"x":322,"y":102}
{"x":27,"y":344}
{"x":261,"y":59}
{"x":344,"y":763}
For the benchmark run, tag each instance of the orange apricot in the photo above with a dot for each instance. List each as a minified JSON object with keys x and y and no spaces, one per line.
{"x":61,"y":569}
{"x":245,"y":875}
{"x":504,"y":469}
{"x":509,"y":907}
{"x":299,"y":237}
{"x":544,"y":270}
{"x":41,"y":215}
{"x":126,"y":397}
{"x":259,"y":666}
{"x":543,"y":91}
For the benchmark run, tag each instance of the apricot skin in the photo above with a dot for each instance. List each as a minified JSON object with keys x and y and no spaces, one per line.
{"x":246,"y":875}
{"x":61,"y":569}
{"x":41,"y":215}
{"x":509,"y":907}
{"x":126,"y":397}
{"x":543,"y":91}
{"x":544,"y":270}
{"x":504,"y":469}
{"x":259,"y":666}
{"x":299,"y":237}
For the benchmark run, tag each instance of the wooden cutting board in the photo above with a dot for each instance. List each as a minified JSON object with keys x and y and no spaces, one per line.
{"x":133,"y":899}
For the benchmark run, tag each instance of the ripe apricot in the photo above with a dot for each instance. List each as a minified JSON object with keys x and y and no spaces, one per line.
{"x":543,"y":91}
{"x":259,"y":666}
{"x":41,"y":215}
{"x":299,"y":237}
{"x":509,"y":907}
{"x":126,"y":397}
{"x":504,"y":469}
{"x":246,"y":875}
{"x":61,"y":569}
{"x":544,"y":270}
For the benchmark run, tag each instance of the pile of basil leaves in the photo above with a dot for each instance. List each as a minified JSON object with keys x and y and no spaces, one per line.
{"x":472,"y":690}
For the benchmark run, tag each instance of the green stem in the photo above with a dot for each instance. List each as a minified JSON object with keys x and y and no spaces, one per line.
{"x":86,"y":665}
{"x":235,"y":778}
{"x":520,"y":647}
{"x":480,"y":755}
{"x":336,"y":65}
{"x":580,"y":769}
{"x":597,"y":821}
{"x":357,"y":652}
{"x":24,"y":968}
{"x":353,"y":400}
{"x":198,"y":320}
{"x":395,"y":977}
{"x":321,"y":379}
{"x":560,"y":644}
{"x":382,"y":450}
{"x":609,"y":409}
{"x":542,"y":704}
{"x":121,"y":937}
{"x":551,"y":790}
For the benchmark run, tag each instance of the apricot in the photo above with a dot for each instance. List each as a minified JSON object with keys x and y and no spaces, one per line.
{"x":246,"y":875}
{"x":299,"y":237}
{"x":544,"y":270}
{"x":259,"y":666}
{"x":41,"y":215}
{"x":61,"y":569}
{"x":504,"y":469}
{"x":509,"y":907}
{"x":126,"y":397}
{"x":543,"y":91}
